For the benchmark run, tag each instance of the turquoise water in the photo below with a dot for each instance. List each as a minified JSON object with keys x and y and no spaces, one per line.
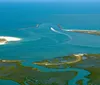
{"x":20,"y":19}
{"x":7,"y":82}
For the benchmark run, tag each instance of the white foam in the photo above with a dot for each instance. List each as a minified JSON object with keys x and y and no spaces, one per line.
{"x":70,"y":38}
{"x":2,"y":43}
{"x":8,"y":39}
{"x":55,"y":30}
{"x":67,"y":30}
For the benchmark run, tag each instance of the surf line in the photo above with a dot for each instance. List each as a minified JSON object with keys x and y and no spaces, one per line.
{"x":70,"y":38}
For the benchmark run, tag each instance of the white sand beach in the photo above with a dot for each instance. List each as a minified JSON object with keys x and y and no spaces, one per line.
{"x":8,"y":39}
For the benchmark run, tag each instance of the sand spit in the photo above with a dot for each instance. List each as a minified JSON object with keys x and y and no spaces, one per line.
{"x":6,"y":39}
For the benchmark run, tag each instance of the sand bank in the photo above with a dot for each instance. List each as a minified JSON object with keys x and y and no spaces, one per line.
{"x":6,"y":39}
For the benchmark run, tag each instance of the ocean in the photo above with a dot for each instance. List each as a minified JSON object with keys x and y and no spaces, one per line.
{"x":38,"y":43}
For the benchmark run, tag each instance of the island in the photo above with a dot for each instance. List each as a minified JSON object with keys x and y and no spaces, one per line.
{"x":5,"y":39}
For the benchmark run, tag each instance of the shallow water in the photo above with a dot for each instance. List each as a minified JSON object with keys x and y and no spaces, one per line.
{"x":20,"y":20}
{"x":7,"y":82}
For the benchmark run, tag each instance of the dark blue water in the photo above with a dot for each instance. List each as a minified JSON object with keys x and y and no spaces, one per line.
{"x":20,"y":20}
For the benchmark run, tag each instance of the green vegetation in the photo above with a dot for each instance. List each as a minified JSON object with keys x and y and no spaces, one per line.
{"x":32,"y":76}
{"x":13,"y":70}
{"x":94,"y":76}
{"x":80,"y":82}
{"x":59,"y":62}
{"x":92,"y":55}
{"x":91,"y":63}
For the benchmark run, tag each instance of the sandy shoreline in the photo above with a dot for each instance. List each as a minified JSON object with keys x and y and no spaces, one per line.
{"x":9,"y":39}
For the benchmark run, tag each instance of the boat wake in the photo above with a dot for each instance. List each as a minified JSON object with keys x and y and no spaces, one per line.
{"x":47,"y":32}
{"x":70,"y":38}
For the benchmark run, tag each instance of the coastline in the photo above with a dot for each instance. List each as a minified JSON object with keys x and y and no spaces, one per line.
{"x":92,"y":32}
{"x":89,"y":72}
{"x":56,"y":62}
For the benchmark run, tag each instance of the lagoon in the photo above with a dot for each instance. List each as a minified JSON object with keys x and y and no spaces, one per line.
{"x":39,"y":43}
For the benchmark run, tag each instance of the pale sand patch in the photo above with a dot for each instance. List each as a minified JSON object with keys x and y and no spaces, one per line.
{"x":8,"y":39}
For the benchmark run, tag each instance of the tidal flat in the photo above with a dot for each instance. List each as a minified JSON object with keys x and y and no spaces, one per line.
{"x":32,"y":76}
{"x":88,"y":62}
